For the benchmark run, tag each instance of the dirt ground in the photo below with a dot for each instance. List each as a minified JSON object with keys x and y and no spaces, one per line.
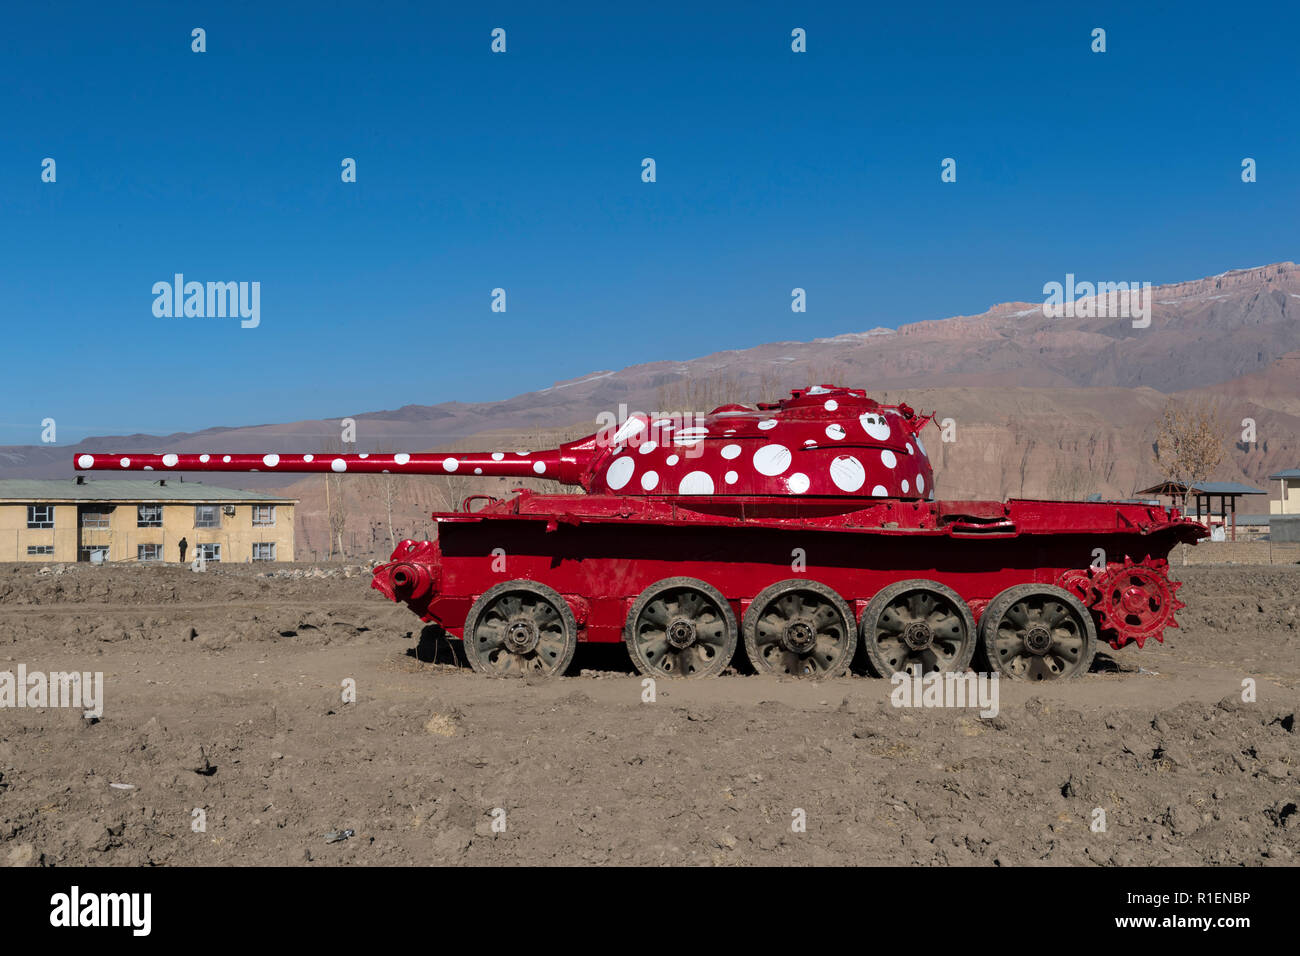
{"x":223,"y":693}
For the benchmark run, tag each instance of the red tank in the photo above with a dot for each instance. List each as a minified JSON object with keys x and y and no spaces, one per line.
{"x":806,"y":530}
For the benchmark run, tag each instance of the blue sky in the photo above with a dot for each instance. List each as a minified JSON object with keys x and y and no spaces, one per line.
{"x":523,"y":171}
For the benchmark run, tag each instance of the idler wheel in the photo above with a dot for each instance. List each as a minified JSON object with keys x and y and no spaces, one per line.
{"x":801,"y":628}
{"x":917,"y":627}
{"x":1038,"y":632}
{"x":520,"y":628}
{"x":680,"y":627}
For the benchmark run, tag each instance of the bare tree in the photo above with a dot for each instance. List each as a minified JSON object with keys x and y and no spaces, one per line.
{"x":1189,"y":445}
{"x":335,"y":513}
{"x":388,"y":491}
{"x":1070,"y":481}
{"x":1189,"y":442}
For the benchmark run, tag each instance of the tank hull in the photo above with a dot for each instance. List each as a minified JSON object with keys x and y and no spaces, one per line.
{"x":600,"y":552}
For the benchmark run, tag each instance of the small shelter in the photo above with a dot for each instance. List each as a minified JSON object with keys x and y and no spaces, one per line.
{"x":1227,"y":493}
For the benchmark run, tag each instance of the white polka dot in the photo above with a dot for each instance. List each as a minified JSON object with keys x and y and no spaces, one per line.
{"x":920,"y":483}
{"x":522,"y":454}
{"x":798,"y":483}
{"x":730,"y":452}
{"x":401,"y":458}
{"x":730,"y":477}
{"x":888,"y":459}
{"x":304,"y":458}
{"x":673,"y":459}
{"x":909,"y":449}
{"x":874,"y":425}
{"x":620,"y":472}
{"x":696,"y":483}
{"x":906,"y":486}
{"x":831,"y":404}
{"x":649,"y":480}
{"x":125,"y":462}
{"x":646,"y":447}
{"x":818,"y":390}
{"x":269,"y":460}
{"x":539,"y":467}
{"x":690,"y":436}
{"x":767,"y":423}
{"x":880,"y":491}
{"x":836,"y":431}
{"x":808,"y":443}
{"x":85,"y":461}
{"x":847,"y":473}
{"x":204,"y":458}
{"x":497,"y":456}
{"x":150,"y":468}
{"x":364,"y":455}
{"x":226,"y":459}
{"x":772,"y":460}
{"x":477,"y":471}
{"x":450,"y":464}
{"x":338,"y":464}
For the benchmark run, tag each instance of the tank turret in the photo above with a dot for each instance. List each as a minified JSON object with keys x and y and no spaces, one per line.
{"x":822,"y":441}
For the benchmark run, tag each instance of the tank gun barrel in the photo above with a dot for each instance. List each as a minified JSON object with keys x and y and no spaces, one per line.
{"x":555,"y":463}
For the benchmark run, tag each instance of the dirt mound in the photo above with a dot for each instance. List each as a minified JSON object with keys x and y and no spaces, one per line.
{"x":134,"y":584}
{"x":1233,"y":599}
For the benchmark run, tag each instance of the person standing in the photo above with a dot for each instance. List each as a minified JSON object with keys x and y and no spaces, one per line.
{"x":184,"y":544}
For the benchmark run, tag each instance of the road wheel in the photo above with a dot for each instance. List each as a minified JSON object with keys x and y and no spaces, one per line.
{"x":801,"y":628}
{"x":519,"y":628}
{"x":917,"y":627}
{"x":680,"y":627}
{"x":1038,"y":632}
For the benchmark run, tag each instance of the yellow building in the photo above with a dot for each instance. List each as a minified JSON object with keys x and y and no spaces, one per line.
{"x":1289,"y":483}
{"x":69,"y":520}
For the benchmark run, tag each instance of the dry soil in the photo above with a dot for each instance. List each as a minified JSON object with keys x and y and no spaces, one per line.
{"x":223,"y":694}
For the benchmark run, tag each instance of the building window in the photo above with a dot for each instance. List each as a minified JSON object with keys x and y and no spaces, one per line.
{"x":264,"y":551}
{"x":263,"y":516}
{"x":208,"y":552}
{"x":40,"y":516}
{"x":149,"y":516}
{"x":40,"y":549}
{"x":148,"y":552}
{"x":86,"y":550}
{"x":95,"y":520}
{"x":207,"y":516}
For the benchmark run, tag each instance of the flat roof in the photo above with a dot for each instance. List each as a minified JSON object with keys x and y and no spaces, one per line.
{"x":1230,"y":488}
{"x":68,"y":489}
{"x":1289,"y":473}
